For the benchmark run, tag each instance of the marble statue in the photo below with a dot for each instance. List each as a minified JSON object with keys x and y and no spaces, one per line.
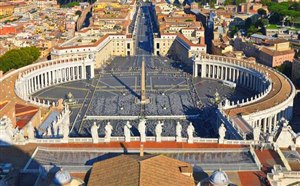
{"x":66,"y":132}
{"x":49,"y":131}
{"x":256,"y":133}
{"x":158,"y":131}
{"x":190,"y":131}
{"x":30,"y":131}
{"x":6,"y":130}
{"x":178,"y":132}
{"x":127,"y":128}
{"x":94,"y":132}
{"x":108,"y":131}
{"x":142,"y":129}
{"x":18,"y":135}
{"x":55,"y":129}
{"x":222,"y":133}
{"x":60,"y":130}
{"x":297,"y":139}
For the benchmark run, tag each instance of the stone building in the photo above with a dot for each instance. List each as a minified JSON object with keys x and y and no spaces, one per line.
{"x":267,"y":50}
{"x":6,"y":9}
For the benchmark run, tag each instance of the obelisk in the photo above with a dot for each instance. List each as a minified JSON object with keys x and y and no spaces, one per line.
{"x":144,"y":100}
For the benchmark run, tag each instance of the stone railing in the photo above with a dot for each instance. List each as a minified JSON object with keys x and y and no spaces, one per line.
{"x":137,"y":138}
{"x":228,"y":105}
{"x":39,"y":102}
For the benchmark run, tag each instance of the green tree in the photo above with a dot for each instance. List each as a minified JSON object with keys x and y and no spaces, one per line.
{"x":17,"y":58}
{"x":285,"y":68}
{"x":237,"y":2}
{"x":233,"y":30}
{"x":228,"y":2}
{"x":78,"y":12}
{"x":248,"y":23}
{"x":252,"y":30}
{"x":262,"y":12}
{"x":265,"y":2}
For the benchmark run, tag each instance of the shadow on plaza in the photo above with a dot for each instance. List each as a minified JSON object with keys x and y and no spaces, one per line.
{"x":179,"y":65}
{"x":126,"y":87}
{"x":12,"y":160}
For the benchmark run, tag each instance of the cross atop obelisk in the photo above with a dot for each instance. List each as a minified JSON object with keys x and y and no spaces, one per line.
{"x":144,"y":100}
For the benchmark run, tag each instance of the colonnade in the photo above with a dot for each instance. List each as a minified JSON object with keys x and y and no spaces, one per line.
{"x":251,"y":76}
{"x":235,"y":74}
{"x":52,"y":73}
{"x":269,"y":123}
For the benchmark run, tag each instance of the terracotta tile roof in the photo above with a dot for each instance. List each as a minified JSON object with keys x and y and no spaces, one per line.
{"x":275,"y":41}
{"x":268,"y":158}
{"x":3,"y":104}
{"x":24,"y":114}
{"x":251,"y":178}
{"x":275,"y":52}
{"x":137,"y":170}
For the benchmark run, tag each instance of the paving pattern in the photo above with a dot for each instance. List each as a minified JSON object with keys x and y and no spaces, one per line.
{"x":115,"y":89}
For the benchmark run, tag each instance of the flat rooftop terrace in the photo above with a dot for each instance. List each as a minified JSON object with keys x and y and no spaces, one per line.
{"x":208,"y":159}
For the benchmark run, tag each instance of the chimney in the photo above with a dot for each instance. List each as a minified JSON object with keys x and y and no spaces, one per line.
{"x":142,"y":150}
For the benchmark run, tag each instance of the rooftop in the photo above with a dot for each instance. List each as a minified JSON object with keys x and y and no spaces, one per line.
{"x":140,"y":170}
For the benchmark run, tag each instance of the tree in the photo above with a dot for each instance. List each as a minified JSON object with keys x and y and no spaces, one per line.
{"x":78,"y":12}
{"x":248,"y":23}
{"x":17,"y":58}
{"x":285,"y":68}
{"x":265,"y":2}
{"x":233,"y":30}
{"x":252,"y":30}
{"x":238,"y":2}
{"x":262,"y":12}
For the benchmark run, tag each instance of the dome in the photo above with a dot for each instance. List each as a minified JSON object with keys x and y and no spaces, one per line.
{"x":219,"y":178}
{"x":62,"y":177}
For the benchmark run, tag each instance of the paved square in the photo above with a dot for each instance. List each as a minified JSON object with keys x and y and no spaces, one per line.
{"x":115,"y":89}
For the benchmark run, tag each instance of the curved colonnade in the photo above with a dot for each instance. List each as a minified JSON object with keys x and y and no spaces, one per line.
{"x":273,"y":101}
{"x":38,"y":76}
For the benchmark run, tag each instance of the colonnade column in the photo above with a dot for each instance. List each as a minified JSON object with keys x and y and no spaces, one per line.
{"x":265,"y":125}
{"x":270,"y":124}
{"x":203,"y":70}
{"x":222,"y":73}
{"x":77,"y":75}
{"x":93,"y":70}
{"x":195,"y":68}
